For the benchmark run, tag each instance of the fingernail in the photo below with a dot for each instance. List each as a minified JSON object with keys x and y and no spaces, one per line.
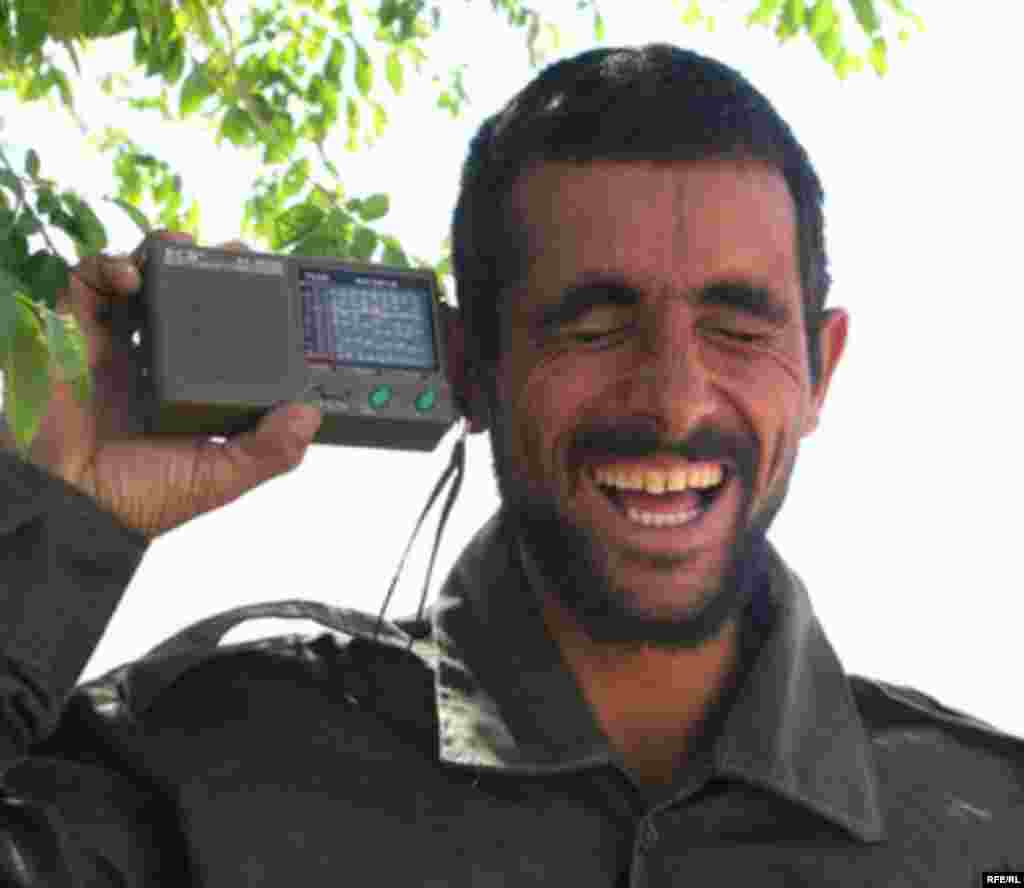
{"x":126,"y":270}
{"x":306,"y":421}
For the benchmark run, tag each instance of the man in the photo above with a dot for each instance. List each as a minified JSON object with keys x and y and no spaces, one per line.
{"x":622,"y":682}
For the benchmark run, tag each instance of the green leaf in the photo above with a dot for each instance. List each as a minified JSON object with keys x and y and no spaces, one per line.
{"x":9,"y":288}
{"x":32,"y":28}
{"x":320,"y":244}
{"x":830,"y":44}
{"x":192,"y":219}
{"x":598,"y":27}
{"x":281,"y":144}
{"x":766,"y":13}
{"x":295,"y":179}
{"x":88,"y":232}
{"x":237,"y":127}
{"x":792,"y":19}
{"x":69,"y":354}
{"x":364,"y":243}
{"x":95,"y":14}
{"x":877,"y":56}
{"x":692,"y":14}
{"x":823,"y":16}
{"x":32,"y":163}
{"x":137,"y":216}
{"x":335,"y":61}
{"x":27,"y":224}
{"x":380,"y":119}
{"x":26,"y":377}
{"x":46,"y":275}
{"x":196,"y":88}
{"x":13,"y":249}
{"x":364,"y":70}
{"x":847,"y":64}
{"x":174,"y":65}
{"x":139,"y":48}
{"x":866,"y":15}
{"x":296,"y":223}
{"x":394,"y":255}
{"x":12,"y":182}
{"x":395,"y":73}
{"x":353,"y":124}
{"x":64,"y":87}
{"x":375,"y":207}
{"x":316,"y":89}
{"x":342,"y":16}
{"x":47,"y":203}
{"x":388,"y":12}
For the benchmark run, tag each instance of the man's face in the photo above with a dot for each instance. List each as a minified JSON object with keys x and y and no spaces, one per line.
{"x":657,"y":341}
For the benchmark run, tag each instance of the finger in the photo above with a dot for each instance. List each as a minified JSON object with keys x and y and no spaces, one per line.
{"x":235,"y":246}
{"x":98,"y":284}
{"x":94,"y":284}
{"x":276,"y":446}
{"x":119,"y":276}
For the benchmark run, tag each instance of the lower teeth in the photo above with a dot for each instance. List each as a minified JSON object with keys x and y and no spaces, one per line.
{"x":650,"y":519}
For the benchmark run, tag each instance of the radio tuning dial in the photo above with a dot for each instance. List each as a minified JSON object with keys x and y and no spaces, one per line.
{"x":426,"y":400}
{"x":380,"y":396}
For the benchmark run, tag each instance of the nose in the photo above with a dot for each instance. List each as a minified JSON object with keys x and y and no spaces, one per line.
{"x":670,"y":382}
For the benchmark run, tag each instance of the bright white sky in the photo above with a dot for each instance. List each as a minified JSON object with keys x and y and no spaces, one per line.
{"x":900,"y":517}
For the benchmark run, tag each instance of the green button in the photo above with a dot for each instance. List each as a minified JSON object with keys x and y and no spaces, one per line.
{"x":380,"y":396}
{"x":426,"y":400}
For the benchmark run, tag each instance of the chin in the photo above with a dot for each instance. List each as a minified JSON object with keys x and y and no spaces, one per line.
{"x":613,"y":613}
{"x":574,"y":568}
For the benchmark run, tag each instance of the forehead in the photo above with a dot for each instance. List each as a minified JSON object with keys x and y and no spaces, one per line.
{"x":665,"y":224}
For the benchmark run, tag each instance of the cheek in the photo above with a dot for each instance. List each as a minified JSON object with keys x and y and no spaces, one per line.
{"x":541,"y":405}
{"x":777,"y":398}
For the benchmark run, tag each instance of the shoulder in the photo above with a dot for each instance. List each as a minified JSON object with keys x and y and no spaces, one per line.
{"x":937,"y":765}
{"x":353,"y":657}
{"x":890,"y":711}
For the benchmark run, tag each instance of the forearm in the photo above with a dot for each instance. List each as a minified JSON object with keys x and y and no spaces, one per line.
{"x":64,"y":565}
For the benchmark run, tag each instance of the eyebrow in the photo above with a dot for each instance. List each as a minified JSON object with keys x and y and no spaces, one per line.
{"x":754,"y":300}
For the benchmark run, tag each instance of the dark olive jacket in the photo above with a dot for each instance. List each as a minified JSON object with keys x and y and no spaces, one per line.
{"x":453,"y":751}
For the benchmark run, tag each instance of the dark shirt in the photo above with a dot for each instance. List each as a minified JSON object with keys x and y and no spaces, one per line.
{"x":455,"y":751}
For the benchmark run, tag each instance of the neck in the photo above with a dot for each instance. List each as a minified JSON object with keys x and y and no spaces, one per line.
{"x":649,"y":701}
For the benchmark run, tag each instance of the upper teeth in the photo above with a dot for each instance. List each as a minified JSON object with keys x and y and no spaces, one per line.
{"x":660,"y":480}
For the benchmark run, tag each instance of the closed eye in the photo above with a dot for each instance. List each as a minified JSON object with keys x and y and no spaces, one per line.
{"x":601,"y":323}
{"x":591,"y":336}
{"x":738,"y":335}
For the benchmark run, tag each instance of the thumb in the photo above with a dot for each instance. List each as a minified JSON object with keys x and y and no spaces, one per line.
{"x":284,"y":432}
{"x":276,"y":446}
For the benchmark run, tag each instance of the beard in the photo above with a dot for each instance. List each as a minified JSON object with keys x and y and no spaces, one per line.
{"x":573,"y":566}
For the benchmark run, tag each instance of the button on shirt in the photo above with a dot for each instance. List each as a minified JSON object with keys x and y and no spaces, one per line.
{"x":460,"y":751}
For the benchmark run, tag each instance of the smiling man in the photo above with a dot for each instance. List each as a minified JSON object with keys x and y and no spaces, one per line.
{"x":669,"y":293}
{"x":657,"y":348}
{"x":622,"y":683}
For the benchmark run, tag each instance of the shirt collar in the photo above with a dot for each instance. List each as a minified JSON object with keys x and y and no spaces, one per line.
{"x":506,"y":699}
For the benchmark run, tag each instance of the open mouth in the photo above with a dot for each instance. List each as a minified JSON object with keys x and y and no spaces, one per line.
{"x":663,"y":499}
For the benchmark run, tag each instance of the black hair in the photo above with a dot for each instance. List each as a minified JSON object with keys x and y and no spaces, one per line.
{"x":654,"y":103}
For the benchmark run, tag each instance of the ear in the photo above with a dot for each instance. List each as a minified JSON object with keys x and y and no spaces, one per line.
{"x":466,"y":389}
{"x":832,"y":336}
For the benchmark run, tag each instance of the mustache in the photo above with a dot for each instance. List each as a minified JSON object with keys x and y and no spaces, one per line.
{"x":641,"y":439}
